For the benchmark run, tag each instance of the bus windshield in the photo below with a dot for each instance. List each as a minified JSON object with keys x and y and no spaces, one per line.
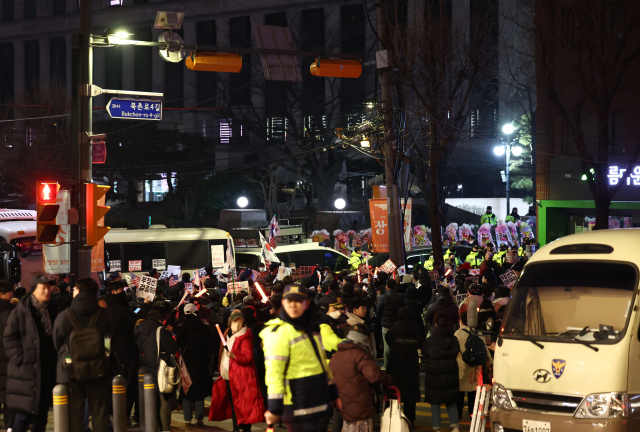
{"x":577,"y":301}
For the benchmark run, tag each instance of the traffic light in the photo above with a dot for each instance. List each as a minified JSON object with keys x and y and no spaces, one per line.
{"x":336,"y":68}
{"x":214,"y":62}
{"x":47,"y":209}
{"x":95,"y":212}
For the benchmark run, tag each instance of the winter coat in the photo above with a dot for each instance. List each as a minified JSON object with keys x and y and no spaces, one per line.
{"x":31,"y":372}
{"x":196,"y":347}
{"x":464,"y":306}
{"x":353,"y":319}
{"x":355,"y":372}
{"x":444,"y":305}
{"x":441,"y":370}
{"x":123,"y":321}
{"x":405,"y":339}
{"x":148,"y":348}
{"x":388,"y":307}
{"x":61,"y":301}
{"x":243,"y":381}
{"x":468,"y":376}
{"x":83,"y":306}
{"x":411,"y":301}
{"x":5,"y":310}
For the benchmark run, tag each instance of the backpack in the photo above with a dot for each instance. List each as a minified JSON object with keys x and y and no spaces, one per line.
{"x":168,"y":372}
{"x":475,"y":351}
{"x":86,"y":349}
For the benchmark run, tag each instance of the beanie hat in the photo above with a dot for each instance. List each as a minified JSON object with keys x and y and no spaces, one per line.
{"x":235,"y":315}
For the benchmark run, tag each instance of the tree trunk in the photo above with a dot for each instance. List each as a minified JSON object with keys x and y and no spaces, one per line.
{"x":434,"y":211}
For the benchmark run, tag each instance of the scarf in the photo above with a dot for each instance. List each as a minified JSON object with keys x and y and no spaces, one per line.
{"x":45,"y":318}
{"x":361,"y":340}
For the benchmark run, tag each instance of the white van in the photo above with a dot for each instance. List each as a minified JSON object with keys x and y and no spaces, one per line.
{"x":568,"y":355}
{"x":303,"y":254}
{"x":18,"y":228}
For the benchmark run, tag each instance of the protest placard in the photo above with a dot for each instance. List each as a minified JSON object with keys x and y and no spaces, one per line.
{"x":512,"y":257}
{"x":237,"y":287}
{"x":434,"y":275}
{"x":509,"y":278}
{"x":174,"y":270}
{"x":364,"y":269}
{"x":115,"y":265}
{"x":217,"y":256}
{"x":188,"y":286}
{"x":135,"y":265}
{"x":202,"y":272}
{"x":164,"y":275}
{"x":147,"y":288}
{"x":159,"y":264}
{"x":388,"y":267}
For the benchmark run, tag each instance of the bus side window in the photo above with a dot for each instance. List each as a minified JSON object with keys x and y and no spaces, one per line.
{"x":336,"y":262}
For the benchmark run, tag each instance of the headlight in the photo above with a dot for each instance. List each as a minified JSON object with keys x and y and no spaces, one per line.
{"x":604,"y":405}
{"x":501,"y":398}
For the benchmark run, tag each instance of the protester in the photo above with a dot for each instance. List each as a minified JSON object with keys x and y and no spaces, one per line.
{"x":441,"y":372}
{"x":236,"y":393}
{"x":62,"y":300}
{"x":6,"y":293}
{"x":445,"y":305}
{"x":388,"y":307}
{"x":404,"y":339}
{"x":502,"y":297}
{"x":474,"y":291}
{"x":355,"y":372}
{"x":146,"y":333}
{"x":295,"y":362}
{"x":31,"y":372}
{"x":82,"y":362}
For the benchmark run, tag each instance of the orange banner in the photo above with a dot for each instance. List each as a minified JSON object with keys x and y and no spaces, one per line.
{"x":97,"y":252}
{"x":379,"y":224}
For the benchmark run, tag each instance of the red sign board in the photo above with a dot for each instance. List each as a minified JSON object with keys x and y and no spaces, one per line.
{"x":99,"y":152}
{"x":135,"y":265}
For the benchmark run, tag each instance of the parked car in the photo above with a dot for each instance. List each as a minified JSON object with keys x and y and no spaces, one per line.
{"x":303,"y":254}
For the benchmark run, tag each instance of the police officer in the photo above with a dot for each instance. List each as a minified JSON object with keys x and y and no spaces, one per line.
{"x":296,"y":364}
{"x":514,"y":216}
{"x":488,"y":217}
{"x":475,"y":257}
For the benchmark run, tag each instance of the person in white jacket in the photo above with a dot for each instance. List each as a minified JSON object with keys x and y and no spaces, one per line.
{"x":470,"y":376}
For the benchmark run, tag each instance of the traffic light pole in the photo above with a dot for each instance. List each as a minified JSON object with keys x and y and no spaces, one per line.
{"x":81,"y":118}
{"x":396,"y":240}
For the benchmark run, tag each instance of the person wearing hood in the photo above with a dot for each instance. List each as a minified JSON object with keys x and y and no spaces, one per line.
{"x":296,"y":365}
{"x":146,"y":338}
{"x":441,"y":372}
{"x":474,"y":291}
{"x":195,"y":342}
{"x":6,"y":293}
{"x":236,"y":393}
{"x":445,"y":305}
{"x":84,"y":312}
{"x":404,"y":339}
{"x":28,"y":342}
{"x":123,"y":341}
{"x":355,"y":372}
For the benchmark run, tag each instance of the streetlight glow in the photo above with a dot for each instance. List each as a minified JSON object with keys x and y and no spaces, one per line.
{"x":516,"y":151}
{"x":508,"y":129}
{"x":243,"y":202}
{"x":340,"y":203}
{"x":499,"y":150}
{"x":365,"y":143}
{"x":122,"y":34}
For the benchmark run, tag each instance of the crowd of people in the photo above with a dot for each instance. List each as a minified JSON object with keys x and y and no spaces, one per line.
{"x":302,"y":351}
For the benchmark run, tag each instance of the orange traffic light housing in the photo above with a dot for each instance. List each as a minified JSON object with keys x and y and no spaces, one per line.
{"x":336,"y":68}
{"x":95,"y":213}
{"x":47,"y":211}
{"x":214,"y":62}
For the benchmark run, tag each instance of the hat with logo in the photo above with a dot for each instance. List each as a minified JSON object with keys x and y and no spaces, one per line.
{"x":295,"y":292}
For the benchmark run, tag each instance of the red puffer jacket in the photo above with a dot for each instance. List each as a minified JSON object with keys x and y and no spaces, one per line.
{"x":354,"y":372}
{"x":245,"y":390}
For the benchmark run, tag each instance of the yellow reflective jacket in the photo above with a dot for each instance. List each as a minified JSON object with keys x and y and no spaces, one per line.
{"x":355,"y":261}
{"x":475,"y":259}
{"x":299,"y":382}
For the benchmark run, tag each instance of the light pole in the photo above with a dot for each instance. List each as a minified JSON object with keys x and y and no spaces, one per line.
{"x":508,"y":149}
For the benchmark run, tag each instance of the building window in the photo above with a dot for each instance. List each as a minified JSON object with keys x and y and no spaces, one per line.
{"x":31,"y":64}
{"x":352,"y":36}
{"x":278,"y":19}
{"x":7,"y":10}
{"x":115,"y":2}
{"x":277,"y":129}
{"x":312,"y":39}
{"x":59,"y":7}
{"x":206,"y":82}
{"x":6,"y":72}
{"x":232,"y":132}
{"x":58,"y":60}
{"x":30,"y":10}
{"x":240,"y":32}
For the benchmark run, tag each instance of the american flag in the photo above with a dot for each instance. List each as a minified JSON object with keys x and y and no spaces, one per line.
{"x":274,"y":230}
{"x":256,"y":274}
{"x":173,"y":282}
{"x":135,"y":280}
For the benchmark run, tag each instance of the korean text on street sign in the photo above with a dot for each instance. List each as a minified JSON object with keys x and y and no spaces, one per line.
{"x":137,"y":109}
{"x":135,"y":265}
{"x":509,"y":278}
{"x":115,"y":265}
{"x":147,"y":288}
{"x":159,"y":264}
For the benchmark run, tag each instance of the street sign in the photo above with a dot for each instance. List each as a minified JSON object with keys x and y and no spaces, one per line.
{"x":135,"y":109}
{"x":98,"y":152}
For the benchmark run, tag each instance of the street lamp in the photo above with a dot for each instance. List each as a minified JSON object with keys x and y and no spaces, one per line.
{"x":243,"y":202}
{"x":340,"y":203}
{"x":508,"y":129}
{"x":507,"y":149}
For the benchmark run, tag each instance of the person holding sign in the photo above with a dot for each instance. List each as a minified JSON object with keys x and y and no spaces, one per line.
{"x":236,"y":393}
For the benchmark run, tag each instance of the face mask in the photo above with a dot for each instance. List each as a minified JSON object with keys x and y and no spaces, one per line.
{"x":489,"y":211}
{"x":236,"y":326}
{"x":335,"y":314}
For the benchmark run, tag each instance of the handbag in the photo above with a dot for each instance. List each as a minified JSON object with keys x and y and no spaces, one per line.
{"x":168,"y":372}
{"x":393,"y":419}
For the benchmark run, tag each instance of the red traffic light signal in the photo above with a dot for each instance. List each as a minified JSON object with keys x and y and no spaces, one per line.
{"x":47,"y":209}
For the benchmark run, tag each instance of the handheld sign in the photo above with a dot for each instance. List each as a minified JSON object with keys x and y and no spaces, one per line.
{"x":147,"y":288}
{"x":135,"y":109}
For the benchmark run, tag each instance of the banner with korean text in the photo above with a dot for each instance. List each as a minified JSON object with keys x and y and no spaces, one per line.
{"x":379,"y":225}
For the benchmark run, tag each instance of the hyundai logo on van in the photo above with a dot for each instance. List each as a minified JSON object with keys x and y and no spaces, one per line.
{"x":542,"y":376}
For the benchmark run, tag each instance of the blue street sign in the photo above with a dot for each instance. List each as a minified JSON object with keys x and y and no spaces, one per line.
{"x":135,"y":109}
